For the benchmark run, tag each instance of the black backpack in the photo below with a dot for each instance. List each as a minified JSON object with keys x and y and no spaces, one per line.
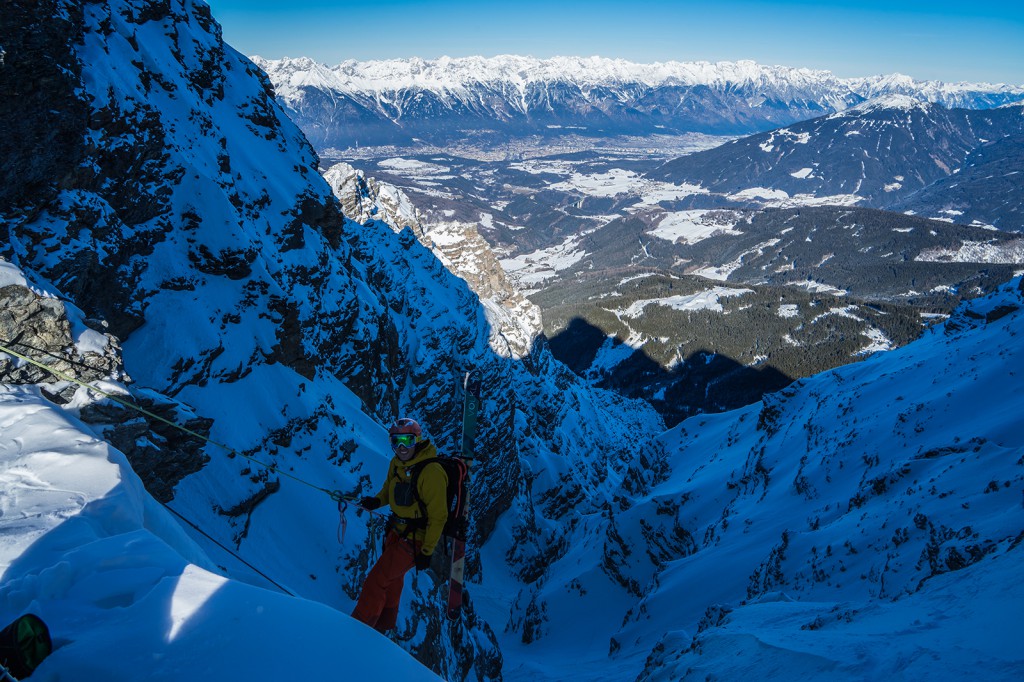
{"x":23,"y":645}
{"x":457,"y":493}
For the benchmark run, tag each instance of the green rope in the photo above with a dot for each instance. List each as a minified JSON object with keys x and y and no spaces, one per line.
{"x":335,"y":495}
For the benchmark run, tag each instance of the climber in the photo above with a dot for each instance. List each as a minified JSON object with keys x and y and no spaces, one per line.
{"x":412,"y":535}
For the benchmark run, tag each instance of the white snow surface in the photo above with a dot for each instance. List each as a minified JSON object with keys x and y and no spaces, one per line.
{"x":1011,"y":252}
{"x":531,"y":270}
{"x":125,"y":593}
{"x":704,"y":300}
{"x":693,"y":226}
{"x":852,"y":496}
{"x":615,"y":182}
{"x":788,"y":310}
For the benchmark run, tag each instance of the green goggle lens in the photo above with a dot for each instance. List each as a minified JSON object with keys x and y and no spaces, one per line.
{"x":405,"y":440}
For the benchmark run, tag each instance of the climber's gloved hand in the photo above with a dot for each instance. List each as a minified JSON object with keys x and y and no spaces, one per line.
{"x":422,"y":561}
{"x":369,"y":503}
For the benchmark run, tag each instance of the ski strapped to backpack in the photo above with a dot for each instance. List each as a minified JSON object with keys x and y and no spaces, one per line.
{"x":470,"y":411}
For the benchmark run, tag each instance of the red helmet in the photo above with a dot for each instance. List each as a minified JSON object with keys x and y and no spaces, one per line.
{"x":404,"y":425}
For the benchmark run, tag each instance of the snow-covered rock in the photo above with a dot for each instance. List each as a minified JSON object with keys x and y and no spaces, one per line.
{"x":515,"y":321}
{"x":196,"y":225}
{"x":125,"y":592}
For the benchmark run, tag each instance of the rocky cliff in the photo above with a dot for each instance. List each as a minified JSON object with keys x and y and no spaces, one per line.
{"x":194,"y":228}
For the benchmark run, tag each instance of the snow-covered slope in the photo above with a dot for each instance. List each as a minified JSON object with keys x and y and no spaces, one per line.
{"x":873,"y":154}
{"x":125,"y":593}
{"x":194,"y":227}
{"x":861,"y":524}
{"x":986,"y":190}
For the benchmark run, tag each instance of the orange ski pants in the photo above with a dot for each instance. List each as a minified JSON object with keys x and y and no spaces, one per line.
{"x":382,"y":590}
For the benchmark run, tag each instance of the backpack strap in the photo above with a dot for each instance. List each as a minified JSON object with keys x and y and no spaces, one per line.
{"x":415,"y":480}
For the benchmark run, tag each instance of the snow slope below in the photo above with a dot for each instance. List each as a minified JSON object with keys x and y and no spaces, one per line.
{"x":864,"y":523}
{"x":123,"y":590}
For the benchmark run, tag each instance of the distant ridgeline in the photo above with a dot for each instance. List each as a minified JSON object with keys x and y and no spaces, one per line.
{"x":492,"y":100}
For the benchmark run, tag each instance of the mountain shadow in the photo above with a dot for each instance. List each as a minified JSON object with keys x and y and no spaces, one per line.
{"x":705,"y":380}
{"x":577,"y":345}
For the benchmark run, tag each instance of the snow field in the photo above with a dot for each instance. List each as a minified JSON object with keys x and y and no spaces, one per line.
{"x":104,"y":565}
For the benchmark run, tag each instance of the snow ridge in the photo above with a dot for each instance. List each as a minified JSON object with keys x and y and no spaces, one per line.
{"x":448,"y":75}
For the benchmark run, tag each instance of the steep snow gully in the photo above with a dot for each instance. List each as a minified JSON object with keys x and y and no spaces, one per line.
{"x":183,"y":251}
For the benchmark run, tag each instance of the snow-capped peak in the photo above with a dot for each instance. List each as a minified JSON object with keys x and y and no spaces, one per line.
{"x":895,"y":101}
{"x":459,"y":73}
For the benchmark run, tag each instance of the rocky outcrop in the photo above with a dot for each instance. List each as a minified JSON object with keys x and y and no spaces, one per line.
{"x":38,"y":327}
{"x":365,"y":199}
{"x":515,"y":321}
{"x":41,"y":144}
{"x":159,"y":453}
{"x":41,"y":328}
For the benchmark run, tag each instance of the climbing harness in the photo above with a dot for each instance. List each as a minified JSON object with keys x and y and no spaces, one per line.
{"x":342,"y":521}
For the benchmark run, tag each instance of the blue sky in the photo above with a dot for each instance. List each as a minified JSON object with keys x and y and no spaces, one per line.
{"x":951,"y":41}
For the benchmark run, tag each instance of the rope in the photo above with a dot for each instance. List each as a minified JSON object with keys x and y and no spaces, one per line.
{"x":335,"y":495}
{"x":214,"y":541}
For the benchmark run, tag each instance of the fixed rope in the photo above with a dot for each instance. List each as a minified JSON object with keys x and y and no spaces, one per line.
{"x":341,"y":499}
{"x":214,"y":541}
{"x":335,"y":495}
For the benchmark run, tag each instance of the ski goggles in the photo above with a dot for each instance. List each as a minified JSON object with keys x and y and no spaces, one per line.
{"x":403,"y":440}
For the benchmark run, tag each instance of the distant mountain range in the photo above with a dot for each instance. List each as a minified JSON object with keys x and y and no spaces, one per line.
{"x":626,"y":266}
{"x":395,"y":102}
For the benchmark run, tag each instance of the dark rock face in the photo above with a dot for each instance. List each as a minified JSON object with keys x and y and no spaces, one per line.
{"x":159,"y":453}
{"x":39,"y":328}
{"x":41,"y":144}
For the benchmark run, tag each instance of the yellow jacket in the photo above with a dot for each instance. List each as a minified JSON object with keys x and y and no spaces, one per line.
{"x":431,"y":489}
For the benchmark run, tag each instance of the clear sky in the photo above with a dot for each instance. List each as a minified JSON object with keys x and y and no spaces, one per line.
{"x":975,"y":41}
